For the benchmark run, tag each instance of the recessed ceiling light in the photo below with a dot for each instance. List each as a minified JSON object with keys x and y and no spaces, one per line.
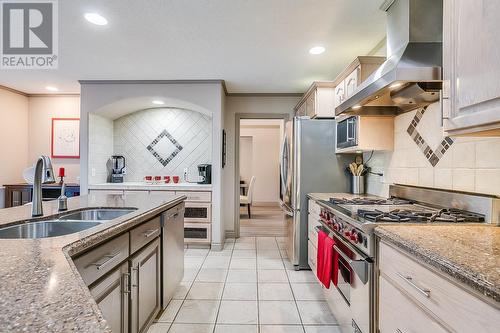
{"x":355,"y":107}
{"x":317,"y":50}
{"x":51,"y":88}
{"x":395,"y":85}
{"x":158,"y":102}
{"x":95,"y":19}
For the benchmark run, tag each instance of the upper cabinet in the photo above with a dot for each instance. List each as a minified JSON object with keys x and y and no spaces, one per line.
{"x":318,"y":101}
{"x":471,"y":67}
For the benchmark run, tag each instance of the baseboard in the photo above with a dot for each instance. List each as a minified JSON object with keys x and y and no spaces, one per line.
{"x":217,"y":247}
{"x":230,"y":234}
{"x":265,"y":204}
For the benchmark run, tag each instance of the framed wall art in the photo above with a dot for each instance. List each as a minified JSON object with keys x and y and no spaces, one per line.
{"x":65,"y":138}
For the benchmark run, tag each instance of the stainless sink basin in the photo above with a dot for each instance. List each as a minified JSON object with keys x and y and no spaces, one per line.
{"x":44,"y":229}
{"x":100,"y":214}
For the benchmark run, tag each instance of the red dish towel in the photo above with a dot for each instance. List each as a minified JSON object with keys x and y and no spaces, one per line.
{"x":326,"y":260}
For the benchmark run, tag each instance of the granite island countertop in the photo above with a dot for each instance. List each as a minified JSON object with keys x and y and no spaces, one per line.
{"x":40,"y":288}
{"x":467,"y":253}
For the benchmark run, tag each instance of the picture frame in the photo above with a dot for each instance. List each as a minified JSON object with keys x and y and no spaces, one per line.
{"x":65,"y":138}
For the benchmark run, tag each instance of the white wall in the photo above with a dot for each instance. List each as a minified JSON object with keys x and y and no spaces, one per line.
{"x":14,"y":119}
{"x":471,"y":164}
{"x":100,"y":147}
{"x":246,"y":158}
{"x":41,"y":111}
{"x":245,"y":105}
{"x":266,"y":141}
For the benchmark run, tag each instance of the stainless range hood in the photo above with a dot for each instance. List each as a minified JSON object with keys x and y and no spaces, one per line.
{"x":411,"y":77}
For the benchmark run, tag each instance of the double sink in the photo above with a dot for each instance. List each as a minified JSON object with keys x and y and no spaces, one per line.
{"x":65,"y":224}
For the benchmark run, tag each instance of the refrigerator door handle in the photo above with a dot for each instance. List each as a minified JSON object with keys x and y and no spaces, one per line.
{"x":285,"y":209}
{"x":282,"y":165}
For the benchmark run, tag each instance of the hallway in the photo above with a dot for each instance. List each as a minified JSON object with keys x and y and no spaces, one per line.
{"x":265,"y":221}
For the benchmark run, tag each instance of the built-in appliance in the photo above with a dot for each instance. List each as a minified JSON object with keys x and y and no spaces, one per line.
{"x":205,"y":172}
{"x":347,"y":132}
{"x":411,"y":77}
{"x":307,"y":164}
{"x":117,"y":169}
{"x":357,"y":134}
{"x":350,"y":220}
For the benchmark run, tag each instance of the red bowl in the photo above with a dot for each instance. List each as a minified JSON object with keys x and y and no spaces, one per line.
{"x":176,"y":179}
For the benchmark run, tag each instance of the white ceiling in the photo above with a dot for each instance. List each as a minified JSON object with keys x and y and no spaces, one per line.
{"x":254,"y":45}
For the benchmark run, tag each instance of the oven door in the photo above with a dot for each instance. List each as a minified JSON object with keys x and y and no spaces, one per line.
{"x":347,"y":132}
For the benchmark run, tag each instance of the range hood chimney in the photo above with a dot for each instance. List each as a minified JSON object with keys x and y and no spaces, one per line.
{"x":411,"y":77}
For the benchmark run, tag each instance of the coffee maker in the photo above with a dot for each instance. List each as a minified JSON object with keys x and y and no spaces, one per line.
{"x":117,"y":169}
{"x":205,"y":172}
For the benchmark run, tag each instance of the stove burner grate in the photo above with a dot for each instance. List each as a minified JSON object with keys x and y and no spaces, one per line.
{"x":369,"y":201}
{"x":449,"y":215}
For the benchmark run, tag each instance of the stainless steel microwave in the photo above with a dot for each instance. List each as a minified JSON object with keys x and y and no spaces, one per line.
{"x":347,"y":135}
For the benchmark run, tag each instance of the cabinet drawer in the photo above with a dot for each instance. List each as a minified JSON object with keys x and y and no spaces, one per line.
{"x":99,"y":261}
{"x":452,"y":304}
{"x":196,"y":196}
{"x":143,"y":234}
{"x":397,"y":313}
{"x":197,"y":232}
{"x":198,"y":212}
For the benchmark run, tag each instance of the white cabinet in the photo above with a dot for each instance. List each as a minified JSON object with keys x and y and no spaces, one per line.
{"x":339,"y":93}
{"x":352,"y":81}
{"x":471,"y":67}
{"x":318,"y":101}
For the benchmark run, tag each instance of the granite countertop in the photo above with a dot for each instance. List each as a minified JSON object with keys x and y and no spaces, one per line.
{"x":468,"y":253}
{"x":152,"y":187}
{"x":40,"y":288}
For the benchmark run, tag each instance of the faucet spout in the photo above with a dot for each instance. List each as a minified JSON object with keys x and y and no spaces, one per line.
{"x":44,"y":174}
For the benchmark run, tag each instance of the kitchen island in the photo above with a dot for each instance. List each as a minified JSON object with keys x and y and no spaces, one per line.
{"x":41,"y":289}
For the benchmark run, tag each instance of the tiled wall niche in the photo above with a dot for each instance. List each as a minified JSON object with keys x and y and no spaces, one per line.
{"x":160,"y":141}
{"x":469,"y":164}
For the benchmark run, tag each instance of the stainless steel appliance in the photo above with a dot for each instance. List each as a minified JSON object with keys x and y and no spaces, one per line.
{"x":308,"y":164}
{"x":117,"y":169}
{"x":205,"y":171}
{"x":350,"y":220}
{"x":347,"y":135}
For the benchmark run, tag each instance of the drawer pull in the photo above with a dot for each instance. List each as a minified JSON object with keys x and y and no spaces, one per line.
{"x":109,"y":258}
{"x":173,"y":216}
{"x":126,"y":283}
{"x":409,"y":280}
{"x":150,"y":233}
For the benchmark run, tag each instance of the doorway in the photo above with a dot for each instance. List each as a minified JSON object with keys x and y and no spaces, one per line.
{"x":257,"y":175}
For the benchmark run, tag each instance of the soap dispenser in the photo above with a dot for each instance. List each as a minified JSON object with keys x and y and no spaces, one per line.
{"x":62,"y":201}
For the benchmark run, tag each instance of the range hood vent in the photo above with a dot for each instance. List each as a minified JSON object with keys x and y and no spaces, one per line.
{"x":411,"y":77}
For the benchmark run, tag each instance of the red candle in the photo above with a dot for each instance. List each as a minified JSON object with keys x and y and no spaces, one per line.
{"x":61,"y":172}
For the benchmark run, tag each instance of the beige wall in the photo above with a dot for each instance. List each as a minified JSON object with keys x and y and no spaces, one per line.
{"x":471,"y":164}
{"x":41,"y":112}
{"x":245,"y":105}
{"x":13,"y":136}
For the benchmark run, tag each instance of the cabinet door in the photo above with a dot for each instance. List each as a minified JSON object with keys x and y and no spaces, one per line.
{"x":339,"y":93}
{"x":471,"y":66}
{"x":145,"y":287}
{"x":301,"y":111}
{"x":311,"y":105}
{"x":397,"y":313}
{"x":111,"y":295}
{"x":351,"y":82}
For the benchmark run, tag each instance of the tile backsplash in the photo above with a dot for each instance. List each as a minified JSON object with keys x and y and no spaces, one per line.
{"x":469,"y":164}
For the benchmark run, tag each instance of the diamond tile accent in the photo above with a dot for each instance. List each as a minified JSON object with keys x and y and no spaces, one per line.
{"x":164,"y":161}
{"x":432,"y":155}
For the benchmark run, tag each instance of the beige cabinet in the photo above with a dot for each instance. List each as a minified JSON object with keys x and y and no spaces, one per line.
{"x":364,"y":134}
{"x":339,"y":93}
{"x":145,"y":287}
{"x":318,"y":101}
{"x":352,"y":81}
{"x":471,"y":67}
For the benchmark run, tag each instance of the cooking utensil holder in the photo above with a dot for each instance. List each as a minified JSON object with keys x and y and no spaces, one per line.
{"x":357,"y":184}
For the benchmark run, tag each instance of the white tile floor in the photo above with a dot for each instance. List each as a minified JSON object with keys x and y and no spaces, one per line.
{"x":249,"y":287}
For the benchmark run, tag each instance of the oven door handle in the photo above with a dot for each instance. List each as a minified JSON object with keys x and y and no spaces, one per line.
{"x":360,"y":267}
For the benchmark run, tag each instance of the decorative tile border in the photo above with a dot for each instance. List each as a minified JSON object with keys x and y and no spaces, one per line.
{"x":433,"y":156}
{"x":164,"y":161}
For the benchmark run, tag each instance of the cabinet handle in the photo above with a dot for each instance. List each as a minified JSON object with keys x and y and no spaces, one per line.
{"x":109,"y":257}
{"x":409,"y":280}
{"x":173,"y":216}
{"x":126,"y":283}
{"x":135,"y":269}
{"x":150,"y":233}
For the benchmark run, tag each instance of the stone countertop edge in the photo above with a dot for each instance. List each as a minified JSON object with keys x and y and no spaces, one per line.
{"x":457,"y":272}
{"x":145,"y":186}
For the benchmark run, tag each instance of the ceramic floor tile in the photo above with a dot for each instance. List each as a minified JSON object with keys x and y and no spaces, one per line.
{"x":308,"y":291}
{"x":243,"y":263}
{"x":171,"y":311}
{"x":197,"y":312}
{"x":230,"y":240}
{"x":159,"y":328}
{"x":223,"y":253}
{"x":275,"y":292}
{"x":281,"y":329}
{"x":193,"y":262}
{"x":236,"y":328}
{"x":211,"y":275}
{"x":216,"y":262}
{"x":240,"y":292}
{"x":322,"y":329}
{"x":272,"y":275}
{"x":268,"y":254}
{"x":315,"y":312}
{"x":196,"y":252}
{"x":237,"y":312}
{"x":301,"y":276}
{"x":278,"y":313}
{"x":190,"y":274}
{"x":241,"y":276}
{"x":244,"y":246}
{"x":270,"y":263}
{"x":288,"y":265}
{"x":182,"y":290}
{"x":205,"y":290}
{"x":244,"y":254}
{"x":245,"y":240}
{"x":191,"y":328}
{"x":267,"y":244}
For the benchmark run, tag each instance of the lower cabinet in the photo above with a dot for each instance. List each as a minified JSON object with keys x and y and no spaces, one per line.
{"x":145,"y":287}
{"x":112,"y":297}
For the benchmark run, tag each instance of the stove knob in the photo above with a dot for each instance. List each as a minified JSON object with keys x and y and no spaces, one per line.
{"x":354,"y":237}
{"x":335,"y":226}
{"x":347,"y":233}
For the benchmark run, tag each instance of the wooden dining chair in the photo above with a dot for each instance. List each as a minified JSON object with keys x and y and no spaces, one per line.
{"x":247,"y":199}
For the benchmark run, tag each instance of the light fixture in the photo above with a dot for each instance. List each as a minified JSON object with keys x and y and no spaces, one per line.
{"x":355,"y":107}
{"x":158,"y":102}
{"x":395,"y":85}
{"x":51,"y":88}
{"x":96,"y":19}
{"x":317,"y":50}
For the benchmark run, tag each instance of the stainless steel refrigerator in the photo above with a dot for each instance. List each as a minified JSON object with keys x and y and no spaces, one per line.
{"x":308,"y":164}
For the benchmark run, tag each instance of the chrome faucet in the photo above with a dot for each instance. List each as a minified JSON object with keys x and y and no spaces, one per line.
{"x":43,"y":175}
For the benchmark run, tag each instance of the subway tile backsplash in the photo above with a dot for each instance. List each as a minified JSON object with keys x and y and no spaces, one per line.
{"x":469,"y":164}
